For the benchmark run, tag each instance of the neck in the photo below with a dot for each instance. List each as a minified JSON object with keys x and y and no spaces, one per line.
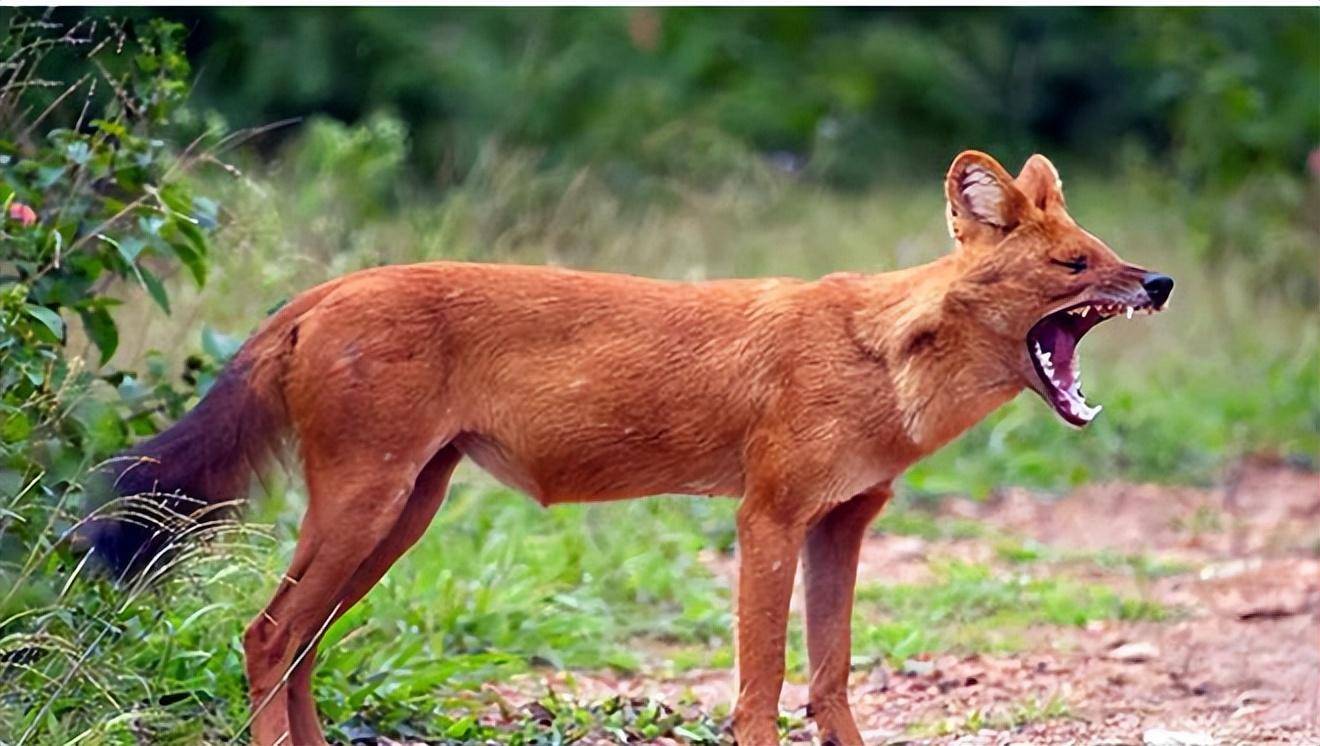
{"x":949,"y":370}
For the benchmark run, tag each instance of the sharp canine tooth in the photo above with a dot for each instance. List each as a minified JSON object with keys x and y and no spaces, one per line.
{"x":1129,"y":312}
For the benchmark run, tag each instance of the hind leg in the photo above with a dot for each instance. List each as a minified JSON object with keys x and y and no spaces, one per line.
{"x":353,"y":506}
{"x":427,"y":496}
{"x":270,"y":718}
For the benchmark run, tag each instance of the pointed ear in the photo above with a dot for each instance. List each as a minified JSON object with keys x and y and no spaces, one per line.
{"x":1040,"y":181}
{"x":981,"y":193}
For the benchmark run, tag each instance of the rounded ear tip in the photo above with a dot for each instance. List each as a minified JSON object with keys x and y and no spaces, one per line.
{"x":971,"y":156}
{"x":1040,"y":160}
{"x":1040,"y":177}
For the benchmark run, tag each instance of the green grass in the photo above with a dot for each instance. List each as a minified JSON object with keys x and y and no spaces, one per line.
{"x":999,"y":717}
{"x":555,"y":718}
{"x":498,"y":585}
{"x":973,"y":608}
{"x":905,"y":517}
{"x":1141,"y":566}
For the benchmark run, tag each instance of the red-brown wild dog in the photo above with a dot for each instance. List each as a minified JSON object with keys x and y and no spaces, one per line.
{"x":805,"y":399}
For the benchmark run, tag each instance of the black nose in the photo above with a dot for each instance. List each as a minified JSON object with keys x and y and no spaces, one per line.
{"x":1158,"y":287}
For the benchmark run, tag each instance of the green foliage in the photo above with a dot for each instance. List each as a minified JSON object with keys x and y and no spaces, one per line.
{"x":95,"y":208}
{"x":849,"y":95}
{"x":1005,"y":716}
{"x":906,"y":519}
{"x":104,"y":202}
{"x":498,"y":586}
{"x":1225,"y":99}
{"x":349,"y":174}
{"x":554,"y":719}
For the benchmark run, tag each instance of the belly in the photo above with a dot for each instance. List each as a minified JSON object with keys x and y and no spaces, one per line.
{"x":592,"y":470}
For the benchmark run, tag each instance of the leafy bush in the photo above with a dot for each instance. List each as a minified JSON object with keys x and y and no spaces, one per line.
{"x":349,"y":173}
{"x":96,"y":206}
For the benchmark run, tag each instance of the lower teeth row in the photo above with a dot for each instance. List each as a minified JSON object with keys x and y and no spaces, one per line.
{"x":1076,"y":402}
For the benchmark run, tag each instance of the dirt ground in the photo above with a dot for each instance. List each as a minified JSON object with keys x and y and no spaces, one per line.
{"x":1239,"y":663}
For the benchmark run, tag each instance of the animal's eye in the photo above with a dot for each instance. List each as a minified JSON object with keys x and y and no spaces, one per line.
{"x":1075,"y":265}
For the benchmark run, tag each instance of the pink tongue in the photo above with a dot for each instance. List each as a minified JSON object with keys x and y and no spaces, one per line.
{"x":1061,"y":344}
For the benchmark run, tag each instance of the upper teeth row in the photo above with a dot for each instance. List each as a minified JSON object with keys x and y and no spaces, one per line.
{"x":1110,"y":309}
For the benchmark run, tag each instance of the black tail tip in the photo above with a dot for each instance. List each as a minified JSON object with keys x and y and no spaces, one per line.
{"x":120,"y":549}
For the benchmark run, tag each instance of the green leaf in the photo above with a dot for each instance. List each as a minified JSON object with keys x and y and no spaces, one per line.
{"x":114,"y":129}
{"x":150,"y":224}
{"x":195,"y":262}
{"x":16,"y":427}
{"x":129,"y":248}
{"x":48,"y":175}
{"x":50,"y":319}
{"x":147,"y":62}
{"x":155,"y":288}
{"x":193,"y":234}
{"x":217,"y":345}
{"x":101,"y":329}
{"x":35,"y":374}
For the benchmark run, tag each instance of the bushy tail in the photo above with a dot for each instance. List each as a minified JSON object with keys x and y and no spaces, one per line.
{"x":193,"y":474}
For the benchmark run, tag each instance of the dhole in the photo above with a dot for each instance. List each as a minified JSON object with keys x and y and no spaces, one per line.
{"x":805,"y":399}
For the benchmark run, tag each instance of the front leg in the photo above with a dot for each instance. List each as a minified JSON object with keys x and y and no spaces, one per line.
{"x":769,"y":541}
{"x":830,"y":566}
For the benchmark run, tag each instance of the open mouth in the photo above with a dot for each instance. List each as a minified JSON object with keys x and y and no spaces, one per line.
{"x":1052,"y":347}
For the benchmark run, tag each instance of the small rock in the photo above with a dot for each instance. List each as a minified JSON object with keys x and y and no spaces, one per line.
{"x":1230,"y":569}
{"x":918,"y":667}
{"x":1134,"y":652}
{"x":1162,"y":737}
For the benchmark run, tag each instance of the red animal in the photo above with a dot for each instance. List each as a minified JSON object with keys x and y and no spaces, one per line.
{"x":805,"y":399}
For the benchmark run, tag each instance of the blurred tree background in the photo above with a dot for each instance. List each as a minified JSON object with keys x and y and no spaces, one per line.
{"x":849,"y":96}
{"x":1225,"y":100}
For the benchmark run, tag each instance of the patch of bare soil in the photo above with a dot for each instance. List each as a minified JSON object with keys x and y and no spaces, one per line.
{"x":1240,"y":663}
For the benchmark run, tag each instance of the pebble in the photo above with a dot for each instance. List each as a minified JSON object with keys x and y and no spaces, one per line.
{"x":1134,"y":652}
